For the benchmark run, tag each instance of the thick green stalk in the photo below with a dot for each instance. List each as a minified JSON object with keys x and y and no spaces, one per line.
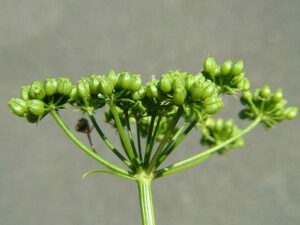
{"x":194,"y":160}
{"x":146,"y":203}
{"x":108,"y":143}
{"x":86,"y":149}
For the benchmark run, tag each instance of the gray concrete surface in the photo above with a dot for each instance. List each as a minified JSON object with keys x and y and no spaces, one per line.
{"x":40,"y":172}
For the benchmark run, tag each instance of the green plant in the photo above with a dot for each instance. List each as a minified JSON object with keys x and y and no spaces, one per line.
{"x":164,"y":111}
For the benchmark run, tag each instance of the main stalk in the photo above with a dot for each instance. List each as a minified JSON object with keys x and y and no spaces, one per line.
{"x":145,"y":195}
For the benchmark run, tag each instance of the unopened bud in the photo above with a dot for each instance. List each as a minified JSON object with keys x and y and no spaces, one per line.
{"x":17,"y":106}
{"x":37,"y":90}
{"x":237,"y":68}
{"x":210,"y":65}
{"x":64,"y":86}
{"x":36,"y":107}
{"x":50,"y":86}
{"x":290,"y":113}
{"x":226,"y":67}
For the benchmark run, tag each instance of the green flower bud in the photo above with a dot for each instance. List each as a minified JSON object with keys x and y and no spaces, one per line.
{"x":238,"y":79}
{"x":124,"y":81}
{"x":50,"y":86}
{"x":189,"y":81}
{"x":73,"y":94}
{"x":18,"y":106}
{"x":151,"y":90}
{"x":178,"y":83}
{"x":25,"y":92}
{"x":226,"y":67}
{"x":179,"y":96}
{"x":246,"y":97}
{"x":83,"y":89}
{"x":210,"y":65}
{"x":243,"y":84}
{"x":212,"y":104}
{"x":246,"y":85}
{"x":290,"y":113}
{"x":165,"y":84}
{"x":136,"y":83}
{"x":36,"y":107}
{"x":64,"y":86}
{"x":216,"y":72}
{"x":210,"y":123}
{"x":32,"y":118}
{"x":277,"y":96}
{"x":219,"y":125}
{"x":199,"y":78}
{"x":196,"y":90}
{"x":94,"y":82}
{"x":208,"y":90}
{"x":113,"y":77}
{"x":213,"y":108}
{"x":265,"y":91}
{"x":256,"y":97}
{"x":37,"y":90}
{"x":106,"y":86}
{"x":210,"y":101}
{"x":237,"y":68}
{"x":229,"y":124}
{"x":140,"y":94}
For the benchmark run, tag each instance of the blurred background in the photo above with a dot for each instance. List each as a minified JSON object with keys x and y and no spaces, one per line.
{"x":40,"y":169}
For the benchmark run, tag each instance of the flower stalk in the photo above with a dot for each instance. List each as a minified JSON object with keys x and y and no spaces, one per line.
{"x":145,"y":197}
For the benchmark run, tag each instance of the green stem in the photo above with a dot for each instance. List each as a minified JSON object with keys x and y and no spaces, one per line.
{"x":177,"y":139}
{"x":127,"y":148}
{"x":146,"y":202}
{"x":155,"y":133}
{"x":164,"y":140}
{"x":138,"y":130}
{"x":86,"y":149}
{"x":130,"y":134}
{"x":194,"y":160}
{"x":108,"y":143}
{"x":149,"y":138}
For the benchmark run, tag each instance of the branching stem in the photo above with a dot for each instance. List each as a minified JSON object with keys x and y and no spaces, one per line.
{"x":194,"y":160}
{"x":108,"y":143}
{"x":164,"y":140}
{"x":86,"y":149}
{"x":127,"y":147}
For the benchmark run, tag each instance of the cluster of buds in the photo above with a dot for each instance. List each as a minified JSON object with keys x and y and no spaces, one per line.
{"x":95,"y":90}
{"x":187,"y":90}
{"x":198,"y":95}
{"x":35,"y":97}
{"x":229,"y":77}
{"x":217,"y":131}
{"x":271,"y":106}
